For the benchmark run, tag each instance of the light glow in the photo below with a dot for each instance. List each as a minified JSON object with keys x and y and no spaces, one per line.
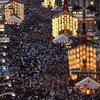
{"x":48,"y":3}
{"x":64,"y":22}
{"x":14,"y":8}
{"x":82,"y":57}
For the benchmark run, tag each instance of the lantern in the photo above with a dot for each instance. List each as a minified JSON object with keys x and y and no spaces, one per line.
{"x":49,"y":3}
{"x":14,"y":8}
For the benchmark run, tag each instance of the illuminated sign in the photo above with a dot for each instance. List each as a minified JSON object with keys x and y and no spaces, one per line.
{"x":2,"y":27}
{"x":4,"y":68}
{"x":4,"y":40}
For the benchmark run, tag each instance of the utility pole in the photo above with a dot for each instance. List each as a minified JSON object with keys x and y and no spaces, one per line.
{"x":83,"y":37}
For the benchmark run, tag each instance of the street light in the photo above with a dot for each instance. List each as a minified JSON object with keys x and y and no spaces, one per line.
{"x":3,"y":53}
{"x":5,"y":35}
{"x":92,"y":2}
{"x":9,"y":84}
{"x":3,"y":60}
{"x":3,"y":46}
{"x":8,"y":93}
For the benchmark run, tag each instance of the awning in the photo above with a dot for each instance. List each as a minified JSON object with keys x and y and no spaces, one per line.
{"x":14,"y":19}
{"x":62,"y":39}
{"x":90,"y":83}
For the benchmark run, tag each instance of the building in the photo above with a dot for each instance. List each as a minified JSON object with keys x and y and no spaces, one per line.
{"x":90,"y":24}
{"x":15,"y":8}
{"x":80,"y":2}
{"x":49,"y":3}
{"x":64,"y":23}
{"x":90,"y":18}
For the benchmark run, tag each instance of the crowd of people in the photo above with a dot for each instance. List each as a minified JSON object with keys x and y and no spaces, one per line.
{"x":43,"y":70}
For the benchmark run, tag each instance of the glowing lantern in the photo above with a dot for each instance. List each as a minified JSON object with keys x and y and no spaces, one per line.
{"x":49,"y":3}
{"x":86,"y":90}
{"x":14,"y":8}
{"x":83,"y":59}
{"x":64,"y":23}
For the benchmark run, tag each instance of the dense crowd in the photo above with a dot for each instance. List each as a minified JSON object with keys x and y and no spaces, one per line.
{"x":38,"y":86}
{"x":43,"y":73}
